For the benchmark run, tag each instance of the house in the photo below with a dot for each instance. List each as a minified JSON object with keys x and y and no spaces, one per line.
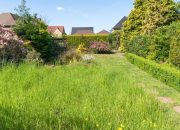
{"x":56,"y":31}
{"x":82,"y":31}
{"x":8,"y":20}
{"x":103,"y":32}
{"x":119,"y":25}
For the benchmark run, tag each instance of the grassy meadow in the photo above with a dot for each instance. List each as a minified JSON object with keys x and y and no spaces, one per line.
{"x":102,"y":95}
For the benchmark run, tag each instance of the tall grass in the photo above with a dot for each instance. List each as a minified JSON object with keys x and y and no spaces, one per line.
{"x":77,"y":97}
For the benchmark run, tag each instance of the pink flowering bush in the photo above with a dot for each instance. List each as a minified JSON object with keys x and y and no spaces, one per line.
{"x":11,"y":47}
{"x":100,"y":47}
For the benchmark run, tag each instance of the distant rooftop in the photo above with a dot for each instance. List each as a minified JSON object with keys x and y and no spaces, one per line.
{"x":82,"y":30}
{"x":52,"y":29}
{"x":8,"y":19}
{"x":119,"y":25}
{"x":103,"y":32}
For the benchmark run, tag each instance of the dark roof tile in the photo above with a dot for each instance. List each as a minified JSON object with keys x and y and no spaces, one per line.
{"x":82,"y":30}
{"x":119,"y":25}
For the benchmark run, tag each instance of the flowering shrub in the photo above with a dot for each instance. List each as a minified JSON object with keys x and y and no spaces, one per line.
{"x":11,"y":47}
{"x":82,"y":49}
{"x":100,"y":47}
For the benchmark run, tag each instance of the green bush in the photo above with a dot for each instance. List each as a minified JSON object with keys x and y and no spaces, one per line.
{"x":35,"y":30}
{"x":161,"y":41}
{"x":33,"y":57}
{"x":169,"y":75}
{"x":69,"y":56}
{"x":114,"y":39}
{"x":174,"y":55}
{"x":139,"y":45}
{"x":146,"y":17}
{"x":160,"y":45}
{"x":76,"y":40}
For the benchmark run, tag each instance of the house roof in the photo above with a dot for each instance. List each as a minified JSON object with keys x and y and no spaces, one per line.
{"x":82,"y":30}
{"x":103,"y":32}
{"x":8,"y":19}
{"x":119,"y":25}
{"x":52,"y":29}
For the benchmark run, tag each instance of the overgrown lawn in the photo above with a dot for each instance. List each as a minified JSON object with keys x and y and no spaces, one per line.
{"x":98,"y":96}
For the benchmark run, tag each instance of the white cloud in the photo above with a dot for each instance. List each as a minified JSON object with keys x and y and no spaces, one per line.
{"x":60,"y":8}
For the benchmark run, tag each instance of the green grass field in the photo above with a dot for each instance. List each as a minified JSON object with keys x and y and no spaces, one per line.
{"x":108,"y":94}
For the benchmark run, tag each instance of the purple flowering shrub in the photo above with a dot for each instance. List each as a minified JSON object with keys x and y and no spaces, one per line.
{"x":100,"y":47}
{"x":11,"y":47}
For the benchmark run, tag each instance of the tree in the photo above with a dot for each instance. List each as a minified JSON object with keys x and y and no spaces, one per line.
{"x":32,"y":29}
{"x":23,"y":10}
{"x":157,"y":14}
{"x":132,"y":26}
{"x":146,"y":17}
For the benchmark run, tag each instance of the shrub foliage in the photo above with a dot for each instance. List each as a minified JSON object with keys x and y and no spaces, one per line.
{"x":157,"y":39}
{"x":11,"y":47}
{"x":174,"y":54}
{"x":30,"y":28}
{"x":160,"y":44}
{"x":35,"y":30}
{"x":76,"y":40}
{"x":114,"y":39}
{"x":70,"y":56}
{"x":100,"y":47}
{"x":139,"y":45}
{"x":146,"y":17}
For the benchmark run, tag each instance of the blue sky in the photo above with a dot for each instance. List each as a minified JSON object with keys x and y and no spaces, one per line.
{"x":100,"y":14}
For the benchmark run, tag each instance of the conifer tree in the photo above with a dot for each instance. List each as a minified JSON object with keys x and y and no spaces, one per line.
{"x":133,"y":25}
{"x":23,"y":10}
{"x":146,"y":17}
{"x":157,"y":14}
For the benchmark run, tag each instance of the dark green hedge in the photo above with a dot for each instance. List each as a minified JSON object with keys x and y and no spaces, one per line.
{"x":139,"y":45}
{"x":76,"y":40}
{"x":167,"y":74}
{"x":161,"y":46}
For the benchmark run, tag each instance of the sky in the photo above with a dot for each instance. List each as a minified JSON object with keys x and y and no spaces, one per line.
{"x":100,"y":14}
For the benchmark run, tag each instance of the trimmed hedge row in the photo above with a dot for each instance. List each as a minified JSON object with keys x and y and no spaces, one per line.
{"x":169,"y":75}
{"x":76,"y":40}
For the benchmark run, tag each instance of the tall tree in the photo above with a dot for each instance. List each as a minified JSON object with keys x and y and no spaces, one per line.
{"x":34,"y":30}
{"x":22,"y":10}
{"x":133,"y":25}
{"x":157,"y":14}
{"x":146,"y":17}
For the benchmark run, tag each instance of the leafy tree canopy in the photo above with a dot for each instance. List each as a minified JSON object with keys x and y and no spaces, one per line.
{"x":146,"y":17}
{"x":30,"y":28}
